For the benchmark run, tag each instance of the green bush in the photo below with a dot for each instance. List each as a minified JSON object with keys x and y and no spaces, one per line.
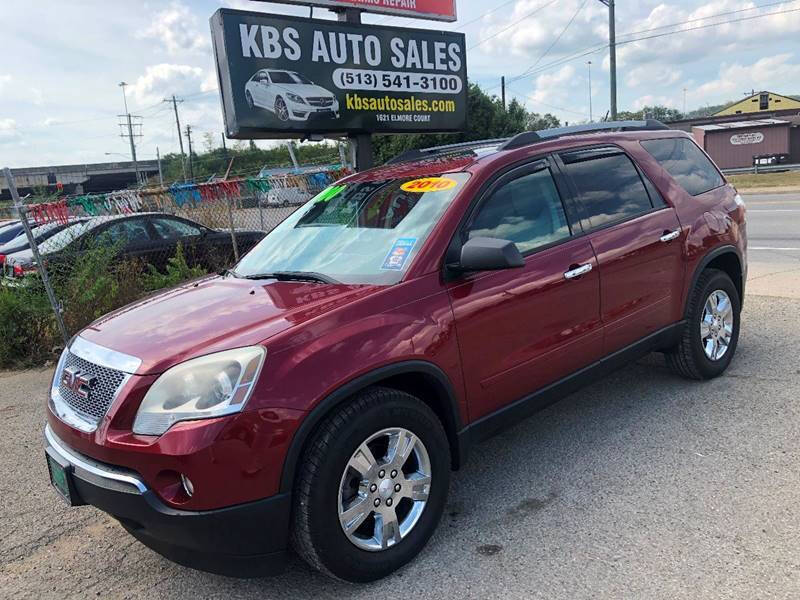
{"x":178,"y":270}
{"x":88,"y":285}
{"x":28,"y":331}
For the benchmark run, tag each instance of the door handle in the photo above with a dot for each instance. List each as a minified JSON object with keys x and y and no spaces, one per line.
{"x":578,"y":271}
{"x":670,"y":235}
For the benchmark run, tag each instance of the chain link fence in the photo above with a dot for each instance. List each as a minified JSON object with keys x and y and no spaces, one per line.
{"x":69,"y":261}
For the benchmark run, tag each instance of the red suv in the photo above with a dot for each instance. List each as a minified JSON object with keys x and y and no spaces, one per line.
{"x":320,"y":393}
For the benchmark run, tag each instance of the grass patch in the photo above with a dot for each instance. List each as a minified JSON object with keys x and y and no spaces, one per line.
{"x":765,"y":180}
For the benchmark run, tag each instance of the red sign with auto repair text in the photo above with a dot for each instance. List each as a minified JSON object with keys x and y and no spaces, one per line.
{"x":439,"y":10}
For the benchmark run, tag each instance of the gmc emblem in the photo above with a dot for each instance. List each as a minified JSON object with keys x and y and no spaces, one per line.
{"x":80,"y":384}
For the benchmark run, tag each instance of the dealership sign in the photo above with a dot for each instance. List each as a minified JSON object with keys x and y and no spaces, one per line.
{"x":740,"y":139}
{"x":440,"y":10}
{"x":286,"y":76}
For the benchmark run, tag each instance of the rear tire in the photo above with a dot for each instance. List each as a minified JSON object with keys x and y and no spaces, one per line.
{"x":707,"y":343}
{"x":335,"y":475}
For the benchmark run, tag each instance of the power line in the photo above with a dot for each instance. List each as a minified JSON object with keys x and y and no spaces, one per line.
{"x":558,"y":37}
{"x":515,"y":24}
{"x":536,"y":100}
{"x":598,"y":48}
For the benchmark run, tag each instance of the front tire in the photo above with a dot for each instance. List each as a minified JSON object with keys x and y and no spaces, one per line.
{"x":711,"y":332}
{"x":249,"y":98}
{"x":371,"y":486}
{"x":281,"y":110}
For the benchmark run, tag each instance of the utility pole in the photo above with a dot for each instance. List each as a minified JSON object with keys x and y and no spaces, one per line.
{"x":292,"y":155}
{"x":589,"y":64}
{"x":130,"y":135}
{"x":160,"y":174}
{"x":503,"y":90}
{"x":189,"y":140}
{"x":180,"y":136}
{"x":612,"y":57}
{"x":364,"y":155}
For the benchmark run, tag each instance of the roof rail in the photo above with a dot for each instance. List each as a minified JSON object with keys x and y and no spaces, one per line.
{"x":434,"y":151}
{"x":531,"y":137}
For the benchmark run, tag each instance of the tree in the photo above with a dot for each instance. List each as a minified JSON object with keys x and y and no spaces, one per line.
{"x":486,"y":119}
{"x":537,"y":122}
{"x":658,"y":112}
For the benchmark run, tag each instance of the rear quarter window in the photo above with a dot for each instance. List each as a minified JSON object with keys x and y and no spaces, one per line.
{"x":687,"y":164}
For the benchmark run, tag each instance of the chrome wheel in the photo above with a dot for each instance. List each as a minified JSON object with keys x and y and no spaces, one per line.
{"x":716,"y":325}
{"x":281,"y":109}
{"x":384,"y":489}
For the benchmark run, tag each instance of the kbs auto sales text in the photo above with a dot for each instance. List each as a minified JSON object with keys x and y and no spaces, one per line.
{"x":266,"y":41}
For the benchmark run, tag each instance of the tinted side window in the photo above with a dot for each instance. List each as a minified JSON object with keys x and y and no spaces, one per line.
{"x":609,"y":186}
{"x":526,"y":210}
{"x":171,"y":229}
{"x":127,"y":231}
{"x":682,"y":159}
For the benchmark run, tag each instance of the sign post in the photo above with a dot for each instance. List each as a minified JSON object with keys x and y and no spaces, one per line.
{"x":291,"y":77}
{"x":365,"y":154}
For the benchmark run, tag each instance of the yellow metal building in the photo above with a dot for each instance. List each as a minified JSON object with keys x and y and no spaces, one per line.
{"x":760,"y":102}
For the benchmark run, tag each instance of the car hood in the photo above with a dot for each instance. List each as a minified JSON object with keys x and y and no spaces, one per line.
{"x":305,"y":89}
{"x":214,"y":314}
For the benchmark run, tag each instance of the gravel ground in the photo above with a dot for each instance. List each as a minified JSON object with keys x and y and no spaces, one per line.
{"x":641,"y":486}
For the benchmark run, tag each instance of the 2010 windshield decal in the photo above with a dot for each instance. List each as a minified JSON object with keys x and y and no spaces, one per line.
{"x":429,"y":184}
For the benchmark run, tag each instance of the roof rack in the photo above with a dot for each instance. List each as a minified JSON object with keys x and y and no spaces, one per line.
{"x":528,"y":137}
{"x":410,"y":155}
{"x":531,"y":137}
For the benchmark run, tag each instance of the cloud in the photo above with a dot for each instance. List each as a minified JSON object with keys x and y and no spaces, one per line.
{"x":694,"y":43}
{"x":8,"y":129}
{"x":165,"y":79}
{"x":4,"y":81}
{"x":529,"y":32}
{"x":650,"y":75}
{"x":177,"y":28}
{"x":770,"y":73}
{"x":653,"y":100}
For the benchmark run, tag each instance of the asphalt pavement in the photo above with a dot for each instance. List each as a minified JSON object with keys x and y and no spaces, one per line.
{"x":643,"y":485}
{"x":773,"y":232}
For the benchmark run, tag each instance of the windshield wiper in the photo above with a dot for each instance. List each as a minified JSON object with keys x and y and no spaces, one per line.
{"x":293,"y":276}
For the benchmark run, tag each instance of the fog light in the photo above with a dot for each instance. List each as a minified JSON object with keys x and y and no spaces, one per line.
{"x":188,"y":486}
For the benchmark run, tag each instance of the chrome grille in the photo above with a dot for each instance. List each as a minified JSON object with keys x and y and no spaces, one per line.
{"x":320,"y":101}
{"x":108,"y":382}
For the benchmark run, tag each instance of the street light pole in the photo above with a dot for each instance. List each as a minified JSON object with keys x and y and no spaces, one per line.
{"x":612,"y":57}
{"x":122,"y":84}
{"x":589,"y":63}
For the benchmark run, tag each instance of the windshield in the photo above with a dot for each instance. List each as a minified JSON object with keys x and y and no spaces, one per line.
{"x":60,"y":240}
{"x":367,"y":232}
{"x":300,"y":78}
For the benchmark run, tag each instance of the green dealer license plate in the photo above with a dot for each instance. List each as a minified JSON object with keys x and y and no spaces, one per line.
{"x":59,"y":477}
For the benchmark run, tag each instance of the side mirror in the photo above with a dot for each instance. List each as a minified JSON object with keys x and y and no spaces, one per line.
{"x":489,"y":254}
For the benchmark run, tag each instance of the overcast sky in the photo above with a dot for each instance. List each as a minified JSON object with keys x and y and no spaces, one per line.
{"x":62,"y":61}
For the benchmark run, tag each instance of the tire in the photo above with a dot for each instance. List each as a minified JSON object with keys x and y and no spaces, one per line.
{"x":281,"y":110}
{"x":689,"y":357}
{"x":249,"y":97}
{"x":325,"y":471}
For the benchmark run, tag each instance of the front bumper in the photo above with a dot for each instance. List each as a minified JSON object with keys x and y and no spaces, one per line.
{"x":246,"y":540}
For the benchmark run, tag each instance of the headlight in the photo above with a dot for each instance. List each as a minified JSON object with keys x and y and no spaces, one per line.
{"x":205,"y":387}
{"x":296,"y":98}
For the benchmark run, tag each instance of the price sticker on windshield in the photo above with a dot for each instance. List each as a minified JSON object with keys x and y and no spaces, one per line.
{"x":429,"y":184}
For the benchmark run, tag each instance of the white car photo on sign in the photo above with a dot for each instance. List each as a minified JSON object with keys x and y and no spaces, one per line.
{"x":290,"y":95}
